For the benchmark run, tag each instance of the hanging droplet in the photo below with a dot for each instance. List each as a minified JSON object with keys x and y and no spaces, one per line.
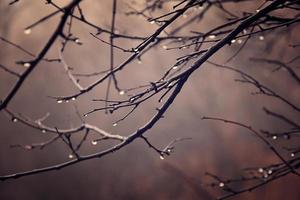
{"x":94,"y":142}
{"x":292,"y":155}
{"x":179,"y":39}
{"x":152,"y":22}
{"x":14,"y":119}
{"x":43,"y":131}
{"x":221,"y":184}
{"x":122,"y":92}
{"x":260,"y":170}
{"x":115,"y":124}
{"x":270,"y":171}
{"x":261,"y":37}
{"x":233,"y":41}
{"x":175,"y":67}
{"x":131,"y":99}
{"x":77,"y":41}
{"x":67,"y":101}
{"x":257,"y":10}
{"x":71,"y":156}
{"x":274,"y":137}
{"x":26,"y":64}
{"x":85,"y":115}
{"x":211,"y":36}
{"x":28,"y":147}
{"x":59,"y":101}
{"x":73,"y":98}
{"x":27,"y":31}
{"x":239,"y":41}
{"x":245,"y":31}
{"x":161,"y":157}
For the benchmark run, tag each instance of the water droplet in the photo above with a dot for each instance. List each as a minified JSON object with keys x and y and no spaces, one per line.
{"x":239,"y":41}
{"x":184,"y":16}
{"x":260,"y":170}
{"x":28,"y":147}
{"x":27,"y":31}
{"x":257,"y":10}
{"x":139,"y":62}
{"x":245,"y":31}
{"x":261,"y":37}
{"x":233,"y":41}
{"x":274,"y":137}
{"x":67,"y":101}
{"x":270,"y":171}
{"x":115,"y":124}
{"x":14,"y":119}
{"x":85,"y":115}
{"x":73,"y":98}
{"x":26,"y":64}
{"x":221,"y":184}
{"x":77,"y":41}
{"x":211,"y":36}
{"x":292,"y":155}
{"x":131,"y":99}
{"x":43,"y":131}
{"x":164,"y":46}
{"x":151,"y":22}
{"x":71,"y":156}
{"x":59,"y":101}
{"x":179,"y":39}
{"x":161,"y":157}
{"x":94,"y":142}
{"x":122,"y":92}
{"x":175,"y":67}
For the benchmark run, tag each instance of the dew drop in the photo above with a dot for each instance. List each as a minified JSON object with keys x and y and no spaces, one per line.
{"x":122,"y":92}
{"x":14,"y":119}
{"x":59,"y":101}
{"x":77,"y":41}
{"x":239,"y":41}
{"x":94,"y":142}
{"x":261,"y":37}
{"x":292,"y":155}
{"x":260,"y":170}
{"x":27,"y":31}
{"x":221,"y":184}
{"x":115,"y":124}
{"x":43,"y":131}
{"x":164,"y":46}
{"x":151,"y":22}
{"x":270,"y":171}
{"x":26,"y":64}
{"x":73,"y":98}
{"x":233,"y":41}
{"x":71,"y":156}
{"x":274,"y":137}
{"x":161,"y":157}
{"x":211,"y":36}
{"x":175,"y":67}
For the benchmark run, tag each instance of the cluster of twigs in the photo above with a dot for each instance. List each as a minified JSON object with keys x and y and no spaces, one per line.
{"x":201,"y":46}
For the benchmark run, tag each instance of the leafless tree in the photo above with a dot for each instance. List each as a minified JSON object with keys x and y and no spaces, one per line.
{"x":174,"y":23}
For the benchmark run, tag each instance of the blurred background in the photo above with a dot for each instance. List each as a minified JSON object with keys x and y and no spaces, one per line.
{"x":136,"y":171}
